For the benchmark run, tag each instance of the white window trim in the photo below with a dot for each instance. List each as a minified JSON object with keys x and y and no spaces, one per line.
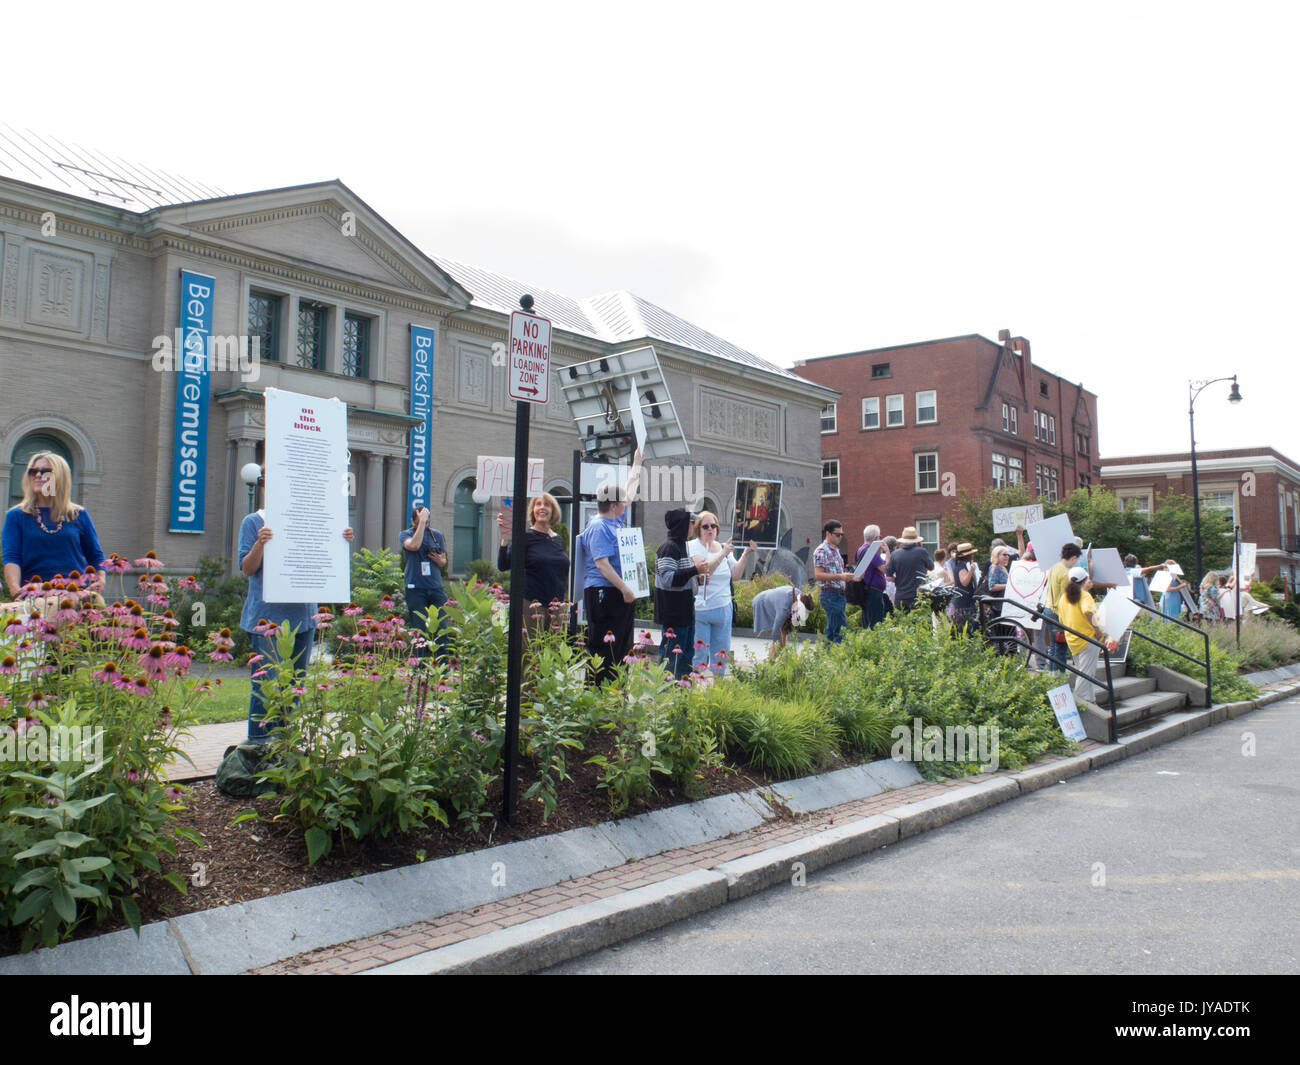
{"x":902,"y":411}
{"x":836,"y":493}
{"x":927,"y":392}
{"x":876,"y":401}
{"x":916,"y":472}
{"x":835,"y":418}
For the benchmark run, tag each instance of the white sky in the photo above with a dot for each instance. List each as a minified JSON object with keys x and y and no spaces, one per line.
{"x":1115,"y":181}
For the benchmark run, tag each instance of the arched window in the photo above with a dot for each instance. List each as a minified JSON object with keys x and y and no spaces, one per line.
{"x":23,"y":451}
{"x":467,"y":527}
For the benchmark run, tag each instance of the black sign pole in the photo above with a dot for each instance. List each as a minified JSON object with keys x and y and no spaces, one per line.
{"x":515,"y":643}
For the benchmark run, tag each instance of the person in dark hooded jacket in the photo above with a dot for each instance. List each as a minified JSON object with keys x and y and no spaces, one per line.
{"x":675,"y":580}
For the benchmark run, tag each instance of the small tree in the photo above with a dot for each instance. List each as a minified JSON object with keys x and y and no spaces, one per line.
{"x":1173,"y":535}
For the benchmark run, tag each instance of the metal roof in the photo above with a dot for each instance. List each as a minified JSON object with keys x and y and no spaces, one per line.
{"x":613,"y":317}
{"x":78,"y":171}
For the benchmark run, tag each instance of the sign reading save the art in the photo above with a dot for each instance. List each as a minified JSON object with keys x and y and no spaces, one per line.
{"x":1005,"y":519}
{"x":631,"y":561}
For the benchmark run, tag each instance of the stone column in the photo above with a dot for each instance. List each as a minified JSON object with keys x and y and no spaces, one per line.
{"x":394,"y":500}
{"x":245,"y":452}
{"x":372,"y":522}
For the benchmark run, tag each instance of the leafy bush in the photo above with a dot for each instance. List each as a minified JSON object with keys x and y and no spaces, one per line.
{"x":90,"y":724}
{"x":781,"y":737}
{"x":1225,"y":663}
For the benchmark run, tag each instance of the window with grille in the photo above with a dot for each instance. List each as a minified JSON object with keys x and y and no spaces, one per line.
{"x":1015,"y":470}
{"x":999,"y":470}
{"x":871,"y":413}
{"x":893,"y":411}
{"x":264,"y":324}
{"x":927,"y":407}
{"x":828,"y":418}
{"x":312,"y":326}
{"x":356,"y":345}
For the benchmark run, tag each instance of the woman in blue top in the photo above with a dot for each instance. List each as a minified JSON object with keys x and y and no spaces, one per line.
{"x":48,"y":535}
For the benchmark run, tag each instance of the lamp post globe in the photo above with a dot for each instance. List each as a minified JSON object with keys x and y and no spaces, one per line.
{"x":250,"y":474}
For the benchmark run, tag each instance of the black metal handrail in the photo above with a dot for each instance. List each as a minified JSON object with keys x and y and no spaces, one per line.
{"x":1209,"y":692}
{"x":993,"y":619}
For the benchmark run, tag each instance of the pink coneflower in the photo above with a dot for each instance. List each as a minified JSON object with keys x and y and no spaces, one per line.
{"x":442,"y":687}
{"x":609,"y":637}
{"x":324,"y":619}
{"x":134,"y":609}
{"x":223,"y":639}
{"x":352,"y":610}
{"x":325,"y":687}
{"x":140,"y":686}
{"x":132,"y":775}
{"x":15,"y":625}
{"x":152,"y":662}
{"x":221,"y":655}
{"x":264,"y":627}
{"x":179,"y":658}
{"x":174,"y":794}
{"x":108,"y":674}
{"x":189,"y":585}
{"x":8,"y":664}
{"x":38,"y":701}
{"x":137,"y":641}
{"x":375,"y":676}
{"x":67,"y":610}
{"x":386,"y":603}
{"x":700,"y":644}
{"x":167,"y":620}
{"x":47,"y":630}
{"x":299,"y":691}
{"x":684,"y":683}
{"x":165,"y":718}
{"x":412,"y":661}
{"x":115,"y":563}
{"x":150,"y":561}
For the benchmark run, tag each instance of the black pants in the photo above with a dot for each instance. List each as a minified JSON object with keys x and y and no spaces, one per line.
{"x":608,"y":615}
{"x":873,"y":610}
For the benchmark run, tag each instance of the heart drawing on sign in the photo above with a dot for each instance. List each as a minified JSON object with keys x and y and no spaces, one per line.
{"x":1027,"y":581}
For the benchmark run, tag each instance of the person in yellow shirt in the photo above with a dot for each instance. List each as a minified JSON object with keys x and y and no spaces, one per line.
{"x":1057,"y":578}
{"x":1078,"y":610}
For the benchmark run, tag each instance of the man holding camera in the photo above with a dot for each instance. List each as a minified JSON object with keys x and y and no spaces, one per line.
{"x":425,"y":553}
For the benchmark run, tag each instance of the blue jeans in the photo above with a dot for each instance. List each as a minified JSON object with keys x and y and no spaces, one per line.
{"x":418,"y":601}
{"x":713,"y":627}
{"x":833,"y":604}
{"x":258,"y":729}
{"x":677,"y":649}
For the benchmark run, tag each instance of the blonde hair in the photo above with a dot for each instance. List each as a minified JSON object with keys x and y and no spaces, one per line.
{"x":60,"y":503}
{"x":702,"y":515}
{"x":549,"y":500}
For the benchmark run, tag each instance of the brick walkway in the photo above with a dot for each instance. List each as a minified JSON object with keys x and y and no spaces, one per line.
{"x":397,"y":943}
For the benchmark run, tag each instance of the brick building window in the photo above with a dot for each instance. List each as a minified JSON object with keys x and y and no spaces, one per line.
{"x":828,"y":418}
{"x":999,"y":470}
{"x":1140,"y":502}
{"x":871,"y":413}
{"x":1015,"y":470}
{"x":881,"y":369}
{"x":264,"y":323}
{"x":1042,"y":388}
{"x":1084,"y":444}
{"x":894,"y":411}
{"x":927,"y":407}
{"x":1051,"y":428}
{"x":1009,"y":418}
{"x":1054,"y":485}
{"x":927,"y":471}
{"x":830,"y":477}
{"x":929,"y":534}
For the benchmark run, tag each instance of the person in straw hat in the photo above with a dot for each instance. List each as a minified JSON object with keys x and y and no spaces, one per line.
{"x":909,"y":566}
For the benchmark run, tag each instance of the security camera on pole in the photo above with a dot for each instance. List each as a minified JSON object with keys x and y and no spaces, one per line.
{"x":529,"y":382}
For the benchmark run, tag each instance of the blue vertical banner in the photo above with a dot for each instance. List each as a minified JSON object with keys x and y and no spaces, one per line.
{"x":190,"y":438}
{"x":418,"y":479}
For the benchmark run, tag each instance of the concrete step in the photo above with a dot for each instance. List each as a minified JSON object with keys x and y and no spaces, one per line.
{"x":1129,"y":712}
{"x":1125,"y":688}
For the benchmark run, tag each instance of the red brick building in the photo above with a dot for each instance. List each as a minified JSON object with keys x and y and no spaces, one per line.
{"x":917,"y":423}
{"x":1259,"y":486}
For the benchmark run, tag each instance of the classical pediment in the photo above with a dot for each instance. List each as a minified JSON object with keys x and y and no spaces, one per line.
{"x":324,"y":227}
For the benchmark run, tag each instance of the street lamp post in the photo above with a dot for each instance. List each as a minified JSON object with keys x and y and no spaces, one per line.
{"x":1194,"y":389}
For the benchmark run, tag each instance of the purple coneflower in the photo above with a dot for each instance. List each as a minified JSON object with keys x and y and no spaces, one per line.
{"x":150,"y":561}
{"x":38,"y":701}
{"x":140,"y":686}
{"x":8,"y":664}
{"x":609,"y":637}
{"x":352,"y":610}
{"x":138,"y":640}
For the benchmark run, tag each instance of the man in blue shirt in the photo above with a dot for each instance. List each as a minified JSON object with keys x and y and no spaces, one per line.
{"x":425,"y":553}
{"x":609,"y":602}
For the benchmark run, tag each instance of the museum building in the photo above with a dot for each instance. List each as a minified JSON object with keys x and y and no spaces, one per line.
{"x":92,"y":252}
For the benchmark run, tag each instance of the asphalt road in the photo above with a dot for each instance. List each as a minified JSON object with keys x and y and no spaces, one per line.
{"x":1185,"y":859}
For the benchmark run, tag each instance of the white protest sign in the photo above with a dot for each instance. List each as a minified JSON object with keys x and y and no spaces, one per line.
{"x":631,"y":562}
{"x":496,"y":477}
{"x":530,"y":357}
{"x":1161,"y":582}
{"x":1067,"y":712}
{"x":638,"y":419}
{"x":1108,"y":567}
{"x":307,"y":488}
{"x":1117,"y":611}
{"x":1026,"y":586}
{"x":1005,"y":519}
{"x":870,"y":553}
{"x":1247,"y":561}
{"x":1048,"y":537}
{"x":1175,"y":569}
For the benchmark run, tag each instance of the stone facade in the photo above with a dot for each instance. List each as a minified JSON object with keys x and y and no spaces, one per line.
{"x":82,"y":301}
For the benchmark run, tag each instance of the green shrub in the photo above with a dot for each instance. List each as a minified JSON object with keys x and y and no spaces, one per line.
{"x":1225,"y":664}
{"x":780,"y":737}
{"x":1265,"y":641}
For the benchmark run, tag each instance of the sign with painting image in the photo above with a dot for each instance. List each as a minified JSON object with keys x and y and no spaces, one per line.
{"x":757,"y":515}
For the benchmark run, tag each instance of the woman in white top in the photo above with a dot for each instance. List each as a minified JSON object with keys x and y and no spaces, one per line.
{"x":713,"y":598}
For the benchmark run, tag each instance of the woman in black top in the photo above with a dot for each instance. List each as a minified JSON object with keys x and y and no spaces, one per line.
{"x":546,"y":566}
